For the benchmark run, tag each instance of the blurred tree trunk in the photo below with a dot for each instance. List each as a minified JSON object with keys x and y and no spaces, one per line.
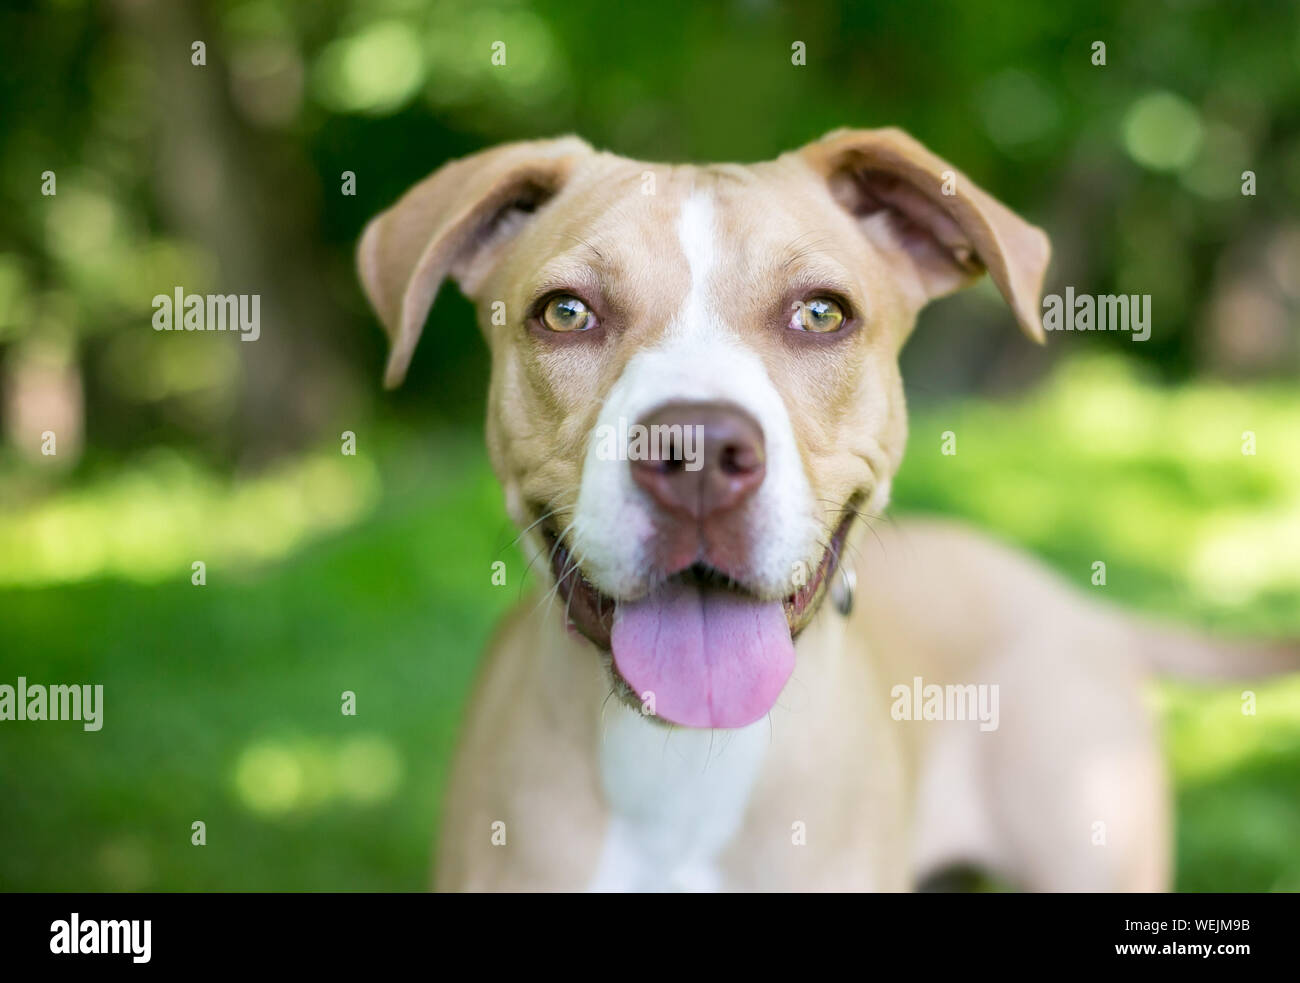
{"x":215,"y":179}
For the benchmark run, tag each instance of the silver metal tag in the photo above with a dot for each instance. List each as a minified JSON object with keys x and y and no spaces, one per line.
{"x":842,"y":590}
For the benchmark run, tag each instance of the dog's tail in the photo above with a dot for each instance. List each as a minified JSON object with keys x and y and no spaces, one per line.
{"x":1174,"y":651}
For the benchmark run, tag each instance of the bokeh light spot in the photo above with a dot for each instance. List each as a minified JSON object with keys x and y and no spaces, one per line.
{"x":1163,"y":132}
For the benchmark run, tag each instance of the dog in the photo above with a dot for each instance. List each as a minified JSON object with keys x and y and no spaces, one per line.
{"x":708,"y":698}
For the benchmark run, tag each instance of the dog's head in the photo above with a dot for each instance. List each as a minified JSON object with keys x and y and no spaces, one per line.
{"x":695,"y":380}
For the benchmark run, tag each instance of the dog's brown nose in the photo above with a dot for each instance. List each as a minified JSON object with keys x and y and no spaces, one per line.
{"x":700,"y":459}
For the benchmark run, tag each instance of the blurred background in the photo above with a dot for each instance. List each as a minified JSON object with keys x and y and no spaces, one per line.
{"x":371,"y":573}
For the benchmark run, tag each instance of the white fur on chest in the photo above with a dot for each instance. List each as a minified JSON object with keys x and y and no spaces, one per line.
{"x":676,"y":797}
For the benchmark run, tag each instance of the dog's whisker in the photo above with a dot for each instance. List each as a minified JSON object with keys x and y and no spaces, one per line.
{"x":538,"y":521}
{"x":529,"y":567}
{"x":583,"y":242}
{"x":613,"y":690}
{"x":523,"y":578}
{"x":568,"y":604}
{"x":868,"y":519}
{"x":575,"y":562}
{"x":549,"y":597}
{"x":558,"y":540}
{"x":845,"y":547}
{"x":842,"y":507}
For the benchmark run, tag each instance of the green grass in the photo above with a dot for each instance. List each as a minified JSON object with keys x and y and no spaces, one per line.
{"x":222,"y":702}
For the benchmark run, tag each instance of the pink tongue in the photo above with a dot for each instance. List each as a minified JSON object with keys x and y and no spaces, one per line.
{"x":711,"y":658}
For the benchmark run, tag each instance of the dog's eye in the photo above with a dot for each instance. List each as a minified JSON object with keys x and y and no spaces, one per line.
{"x":567,"y":313}
{"x":818,"y":314}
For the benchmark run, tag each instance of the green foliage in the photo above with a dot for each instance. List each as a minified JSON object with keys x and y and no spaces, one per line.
{"x":230,"y":174}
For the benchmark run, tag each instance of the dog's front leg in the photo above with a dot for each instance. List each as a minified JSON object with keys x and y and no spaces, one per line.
{"x":523,"y":809}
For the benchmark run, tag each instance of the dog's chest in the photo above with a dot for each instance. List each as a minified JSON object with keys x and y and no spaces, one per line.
{"x":676,"y":798}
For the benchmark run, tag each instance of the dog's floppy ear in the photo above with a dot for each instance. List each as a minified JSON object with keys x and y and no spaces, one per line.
{"x":453,"y":223}
{"x":907,"y":198}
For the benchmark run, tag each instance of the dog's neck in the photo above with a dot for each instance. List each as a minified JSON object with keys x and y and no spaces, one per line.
{"x":676,"y":797}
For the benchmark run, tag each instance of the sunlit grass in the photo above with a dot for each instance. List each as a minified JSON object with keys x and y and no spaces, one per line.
{"x":276,"y":777}
{"x":150,"y":521}
{"x":1216,"y":729}
{"x":1101,"y":465}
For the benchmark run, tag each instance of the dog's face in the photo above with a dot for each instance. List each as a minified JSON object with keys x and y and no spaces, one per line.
{"x":695,"y":383}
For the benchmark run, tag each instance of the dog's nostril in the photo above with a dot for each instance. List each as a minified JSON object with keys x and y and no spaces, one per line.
{"x":738,"y":459}
{"x":676,"y":458}
{"x":713,"y":467}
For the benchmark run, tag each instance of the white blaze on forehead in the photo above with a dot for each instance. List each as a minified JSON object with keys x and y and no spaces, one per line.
{"x":696,"y":232}
{"x":699,"y":358}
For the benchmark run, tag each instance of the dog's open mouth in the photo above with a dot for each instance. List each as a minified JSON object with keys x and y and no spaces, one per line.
{"x":699,"y":649}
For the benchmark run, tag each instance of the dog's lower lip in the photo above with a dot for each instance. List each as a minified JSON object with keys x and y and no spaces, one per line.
{"x":804,"y":601}
{"x":586,"y":608}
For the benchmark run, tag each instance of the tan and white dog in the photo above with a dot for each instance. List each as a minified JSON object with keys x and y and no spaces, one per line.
{"x":682,"y":711}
